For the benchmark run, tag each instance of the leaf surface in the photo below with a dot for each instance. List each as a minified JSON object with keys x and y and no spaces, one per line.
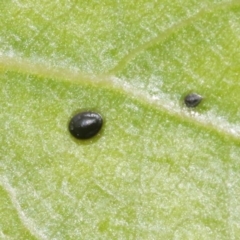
{"x":157,"y":170}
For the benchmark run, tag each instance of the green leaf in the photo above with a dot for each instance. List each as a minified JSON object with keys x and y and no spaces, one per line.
{"x":157,"y":170}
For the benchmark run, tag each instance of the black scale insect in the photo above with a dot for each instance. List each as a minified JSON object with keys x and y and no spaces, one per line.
{"x":192,"y":100}
{"x":85,"y":125}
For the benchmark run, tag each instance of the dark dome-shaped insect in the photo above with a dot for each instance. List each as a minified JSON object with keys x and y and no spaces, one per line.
{"x":192,"y":100}
{"x":85,"y":125}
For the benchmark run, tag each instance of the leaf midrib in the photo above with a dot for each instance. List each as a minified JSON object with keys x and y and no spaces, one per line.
{"x":181,"y":114}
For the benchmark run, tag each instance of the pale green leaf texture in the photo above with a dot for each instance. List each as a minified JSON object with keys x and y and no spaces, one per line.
{"x":157,"y":170}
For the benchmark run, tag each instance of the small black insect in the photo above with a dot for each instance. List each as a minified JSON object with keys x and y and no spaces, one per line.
{"x":85,"y":125}
{"x":192,"y":100}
